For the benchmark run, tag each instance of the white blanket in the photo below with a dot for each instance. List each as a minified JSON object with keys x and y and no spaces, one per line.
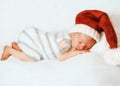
{"x":83,"y":70}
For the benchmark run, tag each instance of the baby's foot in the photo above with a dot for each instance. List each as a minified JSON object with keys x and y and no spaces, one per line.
{"x":15,"y":46}
{"x":6,"y":53}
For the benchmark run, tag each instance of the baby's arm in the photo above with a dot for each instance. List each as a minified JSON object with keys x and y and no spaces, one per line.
{"x":66,"y":50}
{"x":70,"y":53}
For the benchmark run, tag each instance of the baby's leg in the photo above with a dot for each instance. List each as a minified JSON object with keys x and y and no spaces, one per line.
{"x":17,"y":54}
{"x":15,"y":46}
{"x":5,"y":54}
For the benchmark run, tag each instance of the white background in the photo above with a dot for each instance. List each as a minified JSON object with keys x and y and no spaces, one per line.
{"x":48,"y":15}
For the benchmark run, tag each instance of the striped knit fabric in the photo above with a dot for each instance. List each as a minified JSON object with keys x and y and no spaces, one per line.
{"x":40,"y":45}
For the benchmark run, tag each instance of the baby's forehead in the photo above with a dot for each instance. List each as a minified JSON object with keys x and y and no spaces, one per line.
{"x":82,"y":35}
{"x":79,"y":33}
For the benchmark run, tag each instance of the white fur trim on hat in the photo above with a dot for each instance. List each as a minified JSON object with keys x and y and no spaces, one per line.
{"x":82,"y":28}
{"x":112,"y":56}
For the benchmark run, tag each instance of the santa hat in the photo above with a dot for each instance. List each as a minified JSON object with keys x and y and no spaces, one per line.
{"x":93,"y":23}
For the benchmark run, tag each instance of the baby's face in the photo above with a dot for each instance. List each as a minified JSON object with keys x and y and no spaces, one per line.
{"x":82,"y":41}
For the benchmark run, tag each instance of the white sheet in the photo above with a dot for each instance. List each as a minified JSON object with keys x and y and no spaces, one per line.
{"x":83,"y":70}
{"x":86,"y":70}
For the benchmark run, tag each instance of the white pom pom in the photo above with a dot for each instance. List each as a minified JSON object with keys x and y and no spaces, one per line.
{"x":112,"y":56}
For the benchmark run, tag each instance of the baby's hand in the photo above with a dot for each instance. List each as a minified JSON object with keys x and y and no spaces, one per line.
{"x":76,"y":52}
{"x":83,"y":51}
{"x":80,"y":51}
{"x":71,"y":54}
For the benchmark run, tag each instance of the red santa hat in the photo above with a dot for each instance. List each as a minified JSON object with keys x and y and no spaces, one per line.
{"x":93,"y":23}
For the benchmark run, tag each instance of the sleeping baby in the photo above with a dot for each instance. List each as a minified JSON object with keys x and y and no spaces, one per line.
{"x":34,"y":45}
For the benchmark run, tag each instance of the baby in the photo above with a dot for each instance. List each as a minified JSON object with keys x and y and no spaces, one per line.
{"x":34,"y":45}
